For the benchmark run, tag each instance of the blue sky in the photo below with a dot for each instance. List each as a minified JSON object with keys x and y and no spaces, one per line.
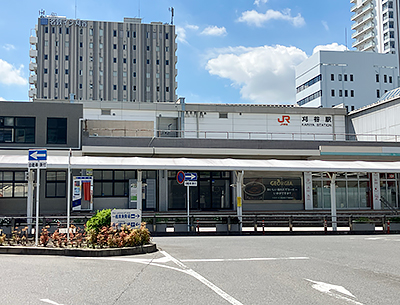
{"x":229,"y":51}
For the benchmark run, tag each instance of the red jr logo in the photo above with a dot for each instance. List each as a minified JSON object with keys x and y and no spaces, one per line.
{"x":285,"y":120}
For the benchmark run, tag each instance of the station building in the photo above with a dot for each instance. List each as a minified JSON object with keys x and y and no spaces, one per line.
{"x":283,"y":154}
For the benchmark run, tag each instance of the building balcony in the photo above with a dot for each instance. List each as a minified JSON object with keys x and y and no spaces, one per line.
{"x":363,"y":30}
{"x":32,"y":66}
{"x":366,"y":9}
{"x":33,"y":53}
{"x":370,"y":46}
{"x":363,"y":21}
{"x":32,"y":92}
{"x":363,"y":40}
{"x":33,"y":79}
{"x":33,"y":40}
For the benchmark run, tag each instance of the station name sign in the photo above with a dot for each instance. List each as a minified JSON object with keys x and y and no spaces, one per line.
{"x":61,"y":21}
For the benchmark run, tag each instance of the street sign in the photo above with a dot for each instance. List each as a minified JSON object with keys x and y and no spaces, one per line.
{"x":180,"y":177}
{"x":191,"y":176}
{"x":38,"y":155}
{"x":37,"y":158}
{"x":190,"y":183}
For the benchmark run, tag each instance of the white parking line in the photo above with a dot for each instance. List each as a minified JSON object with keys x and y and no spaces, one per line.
{"x":50,"y":302}
{"x":243,"y":259}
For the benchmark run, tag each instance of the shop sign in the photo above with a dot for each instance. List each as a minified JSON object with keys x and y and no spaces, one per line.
{"x":273,"y":189}
{"x":129,"y":217}
{"x":316,"y":121}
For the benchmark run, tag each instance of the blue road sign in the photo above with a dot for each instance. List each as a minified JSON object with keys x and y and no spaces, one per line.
{"x":180,"y":177}
{"x":38,"y":155}
{"x":191,"y":176}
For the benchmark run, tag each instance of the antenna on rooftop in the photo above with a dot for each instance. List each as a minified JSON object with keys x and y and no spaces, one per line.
{"x":75,"y":8}
{"x":171,"y":9}
{"x":139,"y":9}
{"x":42,"y":13}
{"x":345,"y":37}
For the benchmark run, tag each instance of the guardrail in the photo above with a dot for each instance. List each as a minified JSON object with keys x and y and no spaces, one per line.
{"x":240,"y":135}
{"x":221,"y":223}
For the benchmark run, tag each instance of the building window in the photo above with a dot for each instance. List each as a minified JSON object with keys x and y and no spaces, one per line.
{"x":90,"y":72}
{"x":45,"y":84}
{"x":346,"y":93}
{"x":385,"y":78}
{"x":17,"y":130}
{"x":67,"y":44}
{"x":113,"y":183}
{"x":332,"y":77}
{"x":66,"y":57}
{"x":166,"y":75}
{"x":167,"y":89}
{"x":167,"y":62}
{"x":158,"y":62}
{"x":351,"y":77}
{"x":80,"y":58}
{"x":134,"y":74}
{"x":115,"y":87}
{"x":147,"y":88}
{"x":115,"y":46}
{"x":134,"y":47}
{"x":60,"y":30}
{"x":45,"y":56}
{"x":134,"y":34}
{"x":377,"y":78}
{"x":158,"y":88}
{"x":66,"y":71}
{"x":148,"y":61}
{"x":124,"y":47}
{"x":166,"y":49}
{"x":56,"y":184}
{"x":345,"y":77}
{"x":66,"y":30}
{"x":123,"y":74}
{"x":390,"y":79}
{"x":56,"y":57}
{"x":134,"y":61}
{"x":166,"y":35}
{"x":332,"y":93}
{"x":115,"y":33}
{"x":340,"y":77}
{"x":115,"y":73}
{"x":100,"y":45}
{"x":46,"y":29}
{"x":66,"y":85}
{"x":134,"y":88}
{"x":124,"y":87}
{"x":91,"y":32}
{"x":55,"y":71}
{"x":81,"y":45}
{"x":352,"y":93}
{"x":91,"y":45}
{"x":45,"y":70}
{"x":223,"y":115}
{"x":55,"y":85}
{"x":378,"y":93}
{"x":147,"y":75}
{"x":148,"y":48}
{"x":340,"y":93}
{"x":115,"y":60}
{"x":53,"y":30}
{"x":56,"y":131}
{"x":309,"y":83}
{"x":127,"y":34}
{"x":101,"y":32}
{"x":80,"y":86}
{"x":13,"y":184}
{"x":124,"y":60}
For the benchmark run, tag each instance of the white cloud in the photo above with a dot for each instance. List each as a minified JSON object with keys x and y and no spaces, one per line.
{"x":214,"y":31}
{"x":181,"y":34}
{"x":263,"y":74}
{"x":9,"y":75}
{"x":258,"y":2}
{"x":258,"y":19}
{"x":325,"y":24}
{"x":2,"y":98}
{"x":9,"y":47}
{"x":192,"y":27}
{"x":330,"y":47}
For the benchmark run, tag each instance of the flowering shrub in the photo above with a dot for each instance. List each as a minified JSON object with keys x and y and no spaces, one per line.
{"x":2,"y":239}
{"x":44,"y":236}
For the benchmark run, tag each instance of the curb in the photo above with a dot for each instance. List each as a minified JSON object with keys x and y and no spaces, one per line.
{"x":149,"y":248}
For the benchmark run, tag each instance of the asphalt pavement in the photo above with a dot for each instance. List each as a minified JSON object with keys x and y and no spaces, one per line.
{"x":337,"y":269}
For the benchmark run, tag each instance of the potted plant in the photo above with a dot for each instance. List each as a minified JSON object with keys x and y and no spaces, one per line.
{"x":363,"y":224}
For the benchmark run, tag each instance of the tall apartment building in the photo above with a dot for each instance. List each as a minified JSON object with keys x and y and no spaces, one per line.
{"x":100,"y":60}
{"x":351,"y":78}
{"x":376,"y":25}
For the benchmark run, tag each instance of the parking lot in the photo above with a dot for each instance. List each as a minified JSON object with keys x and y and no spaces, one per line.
{"x":340,"y":269}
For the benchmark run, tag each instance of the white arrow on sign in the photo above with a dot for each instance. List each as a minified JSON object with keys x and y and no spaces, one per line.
{"x":328,"y":288}
{"x":190,"y":176}
{"x":35,"y":155}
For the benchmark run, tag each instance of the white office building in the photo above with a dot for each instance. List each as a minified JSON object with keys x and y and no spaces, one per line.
{"x":351,"y":78}
{"x":98,"y":60}
{"x":376,"y":25}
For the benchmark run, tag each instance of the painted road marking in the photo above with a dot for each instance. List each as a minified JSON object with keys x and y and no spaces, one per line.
{"x":50,"y":302}
{"x":243,"y":259}
{"x":328,"y":288}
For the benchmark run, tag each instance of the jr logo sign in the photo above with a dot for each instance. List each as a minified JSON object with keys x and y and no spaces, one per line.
{"x":285,"y":120}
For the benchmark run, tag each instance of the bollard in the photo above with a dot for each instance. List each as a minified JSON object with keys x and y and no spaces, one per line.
{"x":263,"y":227}
{"x":388,"y":226}
{"x":198,"y":227}
{"x":325,"y":226}
{"x":290,"y":224}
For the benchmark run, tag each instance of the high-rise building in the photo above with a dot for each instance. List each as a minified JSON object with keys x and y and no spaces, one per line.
{"x":100,"y":60}
{"x":376,"y":25}
{"x":351,"y":78}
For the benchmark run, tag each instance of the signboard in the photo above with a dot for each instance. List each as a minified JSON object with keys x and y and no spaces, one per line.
{"x":129,"y":217}
{"x":190,"y":183}
{"x":190,"y":176}
{"x":273,"y":189}
{"x":82,"y":196}
{"x":180,"y":177}
{"x":37,"y":158}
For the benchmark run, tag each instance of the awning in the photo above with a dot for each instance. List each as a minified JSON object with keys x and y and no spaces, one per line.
{"x":133,"y":163}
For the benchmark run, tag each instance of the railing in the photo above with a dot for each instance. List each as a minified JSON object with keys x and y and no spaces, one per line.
{"x":240,"y":135}
{"x":389,"y":206}
{"x":162,"y":224}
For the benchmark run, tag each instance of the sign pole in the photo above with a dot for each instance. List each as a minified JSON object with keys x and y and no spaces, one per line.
{"x":69,"y":194}
{"x":188,"y":200}
{"x":37,"y":207}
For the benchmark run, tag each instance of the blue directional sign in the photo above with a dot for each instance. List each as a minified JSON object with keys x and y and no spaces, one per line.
{"x":190,"y":176}
{"x":38,"y":155}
